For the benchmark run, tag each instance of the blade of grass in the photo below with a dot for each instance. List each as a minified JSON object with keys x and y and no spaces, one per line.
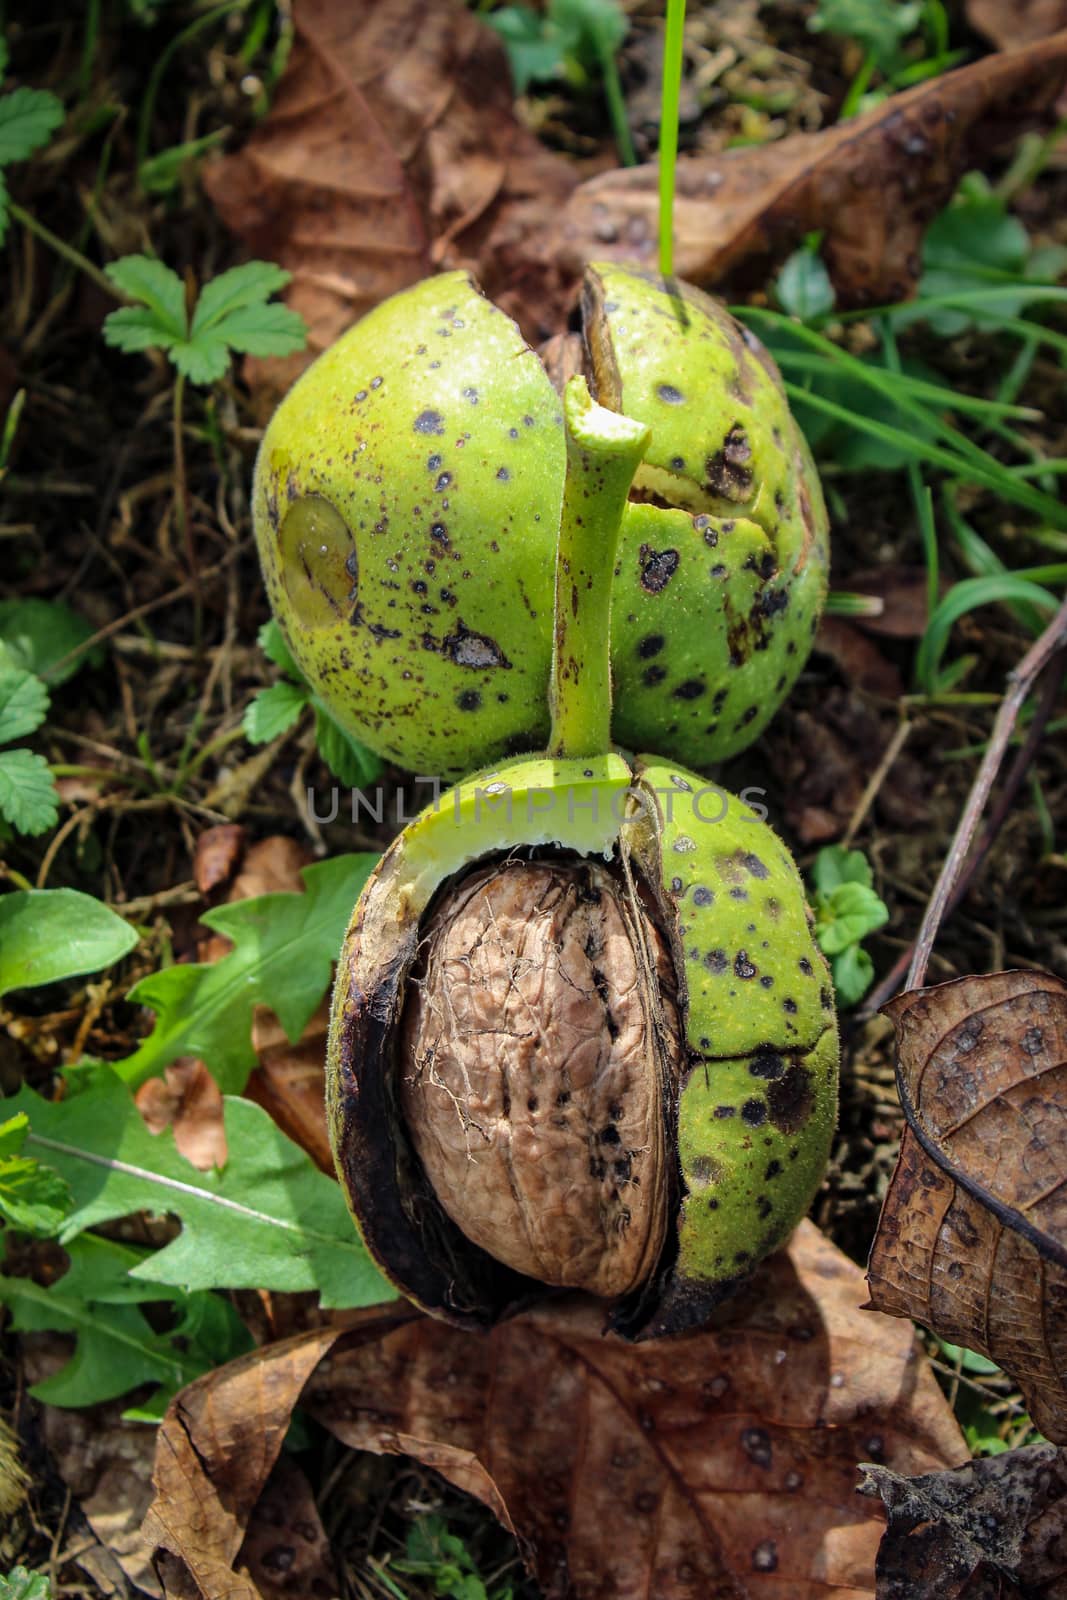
{"x":966,"y":596}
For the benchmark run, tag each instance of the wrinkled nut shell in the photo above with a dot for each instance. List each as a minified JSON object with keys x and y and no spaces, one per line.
{"x":538,"y":1048}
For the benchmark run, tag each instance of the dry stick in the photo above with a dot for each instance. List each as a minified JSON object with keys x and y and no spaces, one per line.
{"x":1037,"y":658}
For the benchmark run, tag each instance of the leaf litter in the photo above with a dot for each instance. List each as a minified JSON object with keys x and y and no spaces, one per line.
{"x":540,"y":296}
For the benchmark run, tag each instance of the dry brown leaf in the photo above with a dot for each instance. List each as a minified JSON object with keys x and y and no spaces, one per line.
{"x":902,"y":591}
{"x":858,"y":657}
{"x":1014,"y":22}
{"x":996,"y":1527}
{"x":871,"y":184}
{"x":392,"y":150}
{"x":972,"y":1241}
{"x":187,"y":1099}
{"x":719,"y":1464}
{"x":286,"y":1550}
{"x":216,"y":1448}
{"x":218,"y":854}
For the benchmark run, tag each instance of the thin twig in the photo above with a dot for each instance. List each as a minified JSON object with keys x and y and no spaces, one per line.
{"x":1021,"y":681}
{"x":876,"y":780}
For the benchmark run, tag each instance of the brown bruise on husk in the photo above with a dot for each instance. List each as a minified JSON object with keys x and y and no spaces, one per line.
{"x":540,"y":1052}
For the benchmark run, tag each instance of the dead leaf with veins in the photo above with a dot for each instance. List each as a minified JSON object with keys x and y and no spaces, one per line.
{"x":870,"y":184}
{"x":972,"y":1241}
{"x":392,"y":150}
{"x":720,"y":1465}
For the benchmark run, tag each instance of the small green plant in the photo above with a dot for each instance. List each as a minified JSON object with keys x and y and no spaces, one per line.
{"x":884,"y":32}
{"x":41,"y":645}
{"x":28,"y":798}
{"x":28,"y":119}
{"x":432,"y":1552}
{"x":572,"y":38}
{"x":201,"y":332}
{"x":275,"y":709}
{"x":21,"y":1584}
{"x":846,"y":911}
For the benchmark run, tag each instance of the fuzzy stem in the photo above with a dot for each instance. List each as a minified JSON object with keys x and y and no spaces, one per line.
{"x":604,"y":450}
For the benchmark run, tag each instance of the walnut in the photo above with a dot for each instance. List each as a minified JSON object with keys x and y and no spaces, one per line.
{"x":540,"y":1046}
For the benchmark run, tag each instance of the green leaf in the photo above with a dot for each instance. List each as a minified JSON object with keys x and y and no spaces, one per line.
{"x":38,"y":634}
{"x":846,"y":916}
{"x":852,"y":973}
{"x":33,"y":1197}
{"x":21,"y":1584}
{"x":803,"y":286}
{"x":50,"y":934}
{"x":230,"y":314}
{"x":535,"y":49}
{"x":269,"y":1220}
{"x":28,"y":119}
{"x":145,"y":279}
{"x":835,"y":865}
{"x":117,"y":1349}
{"x":880,"y":28}
{"x":271,"y":641}
{"x":23,"y":703}
{"x":350,"y":761}
{"x":284,"y":949}
{"x":241,"y":287}
{"x":273,"y":710}
{"x":29,"y":800}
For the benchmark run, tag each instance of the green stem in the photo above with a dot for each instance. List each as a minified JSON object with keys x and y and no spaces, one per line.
{"x":181,"y":504}
{"x":668,"y":131}
{"x":616,"y":104}
{"x":67,"y":251}
{"x":604,"y":450}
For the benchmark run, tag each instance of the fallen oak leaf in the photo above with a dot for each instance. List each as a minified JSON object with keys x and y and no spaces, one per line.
{"x":215,"y":1450}
{"x":870,"y":184}
{"x":716,"y":1466}
{"x":999,"y":1522}
{"x":972,"y":1240}
{"x":392,"y":149}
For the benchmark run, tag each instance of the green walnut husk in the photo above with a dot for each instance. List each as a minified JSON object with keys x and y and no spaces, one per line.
{"x":407,"y":500}
{"x":582,"y":1036}
{"x":744,"y":1091}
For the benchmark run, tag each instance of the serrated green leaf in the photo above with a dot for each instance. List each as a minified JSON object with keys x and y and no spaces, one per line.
{"x":273,"y":710}
{"x":247,"y":285}
{"x":28,"y":796}
{"x":145,"y":279}
{"x":272,"y":330}
{"x":881,"y":29}
{"x":350,"y":761}
{"x":33,"y":1197}
{"x":39,"y":634}
{"x":852,"y":972}
{"x":135,"y":328}
{"x":271,"y":641}
{"x":28,"y":119}
{"x":117,"y":1348}
{"x":204,"y":362}
{"x":269,"y":1220}
{"x":835,"y":865}
{"x":23,"y":703}
{"x":50,"y":934}
{"x":284,"y":949}
{"x":535,"y":49}
{"x":21,"y":1584}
